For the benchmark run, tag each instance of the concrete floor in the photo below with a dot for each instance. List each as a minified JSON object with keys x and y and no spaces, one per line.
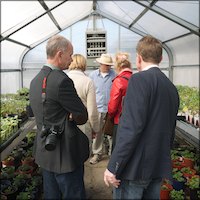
{"x":94,"y":183}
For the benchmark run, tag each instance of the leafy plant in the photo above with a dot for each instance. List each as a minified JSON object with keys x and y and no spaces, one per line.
{"x":189,"y":99}
{"x":176,"y":195}
{"x":23,"y":91}
{"x":25,"y":168}
{"x":10,"y":189}
{"x":188,"y":154}
{"x":24,"y":196}
{"x":178,"y":176}
{"x":187,"y":170}
{"x":193,"y":183}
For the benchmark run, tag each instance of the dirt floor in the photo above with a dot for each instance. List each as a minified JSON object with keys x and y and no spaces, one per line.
{"x":94,"y":184}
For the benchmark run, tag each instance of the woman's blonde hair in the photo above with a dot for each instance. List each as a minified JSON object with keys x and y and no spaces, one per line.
{"x":79,"y":62}
{"x":122,"y":61}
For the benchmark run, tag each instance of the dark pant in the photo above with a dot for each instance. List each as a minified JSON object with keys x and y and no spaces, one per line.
{"x":64,"y":186}
{"x":114,"y":136}
{"x":149,"y":190}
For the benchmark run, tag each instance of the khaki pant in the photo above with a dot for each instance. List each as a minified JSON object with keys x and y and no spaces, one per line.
{"x":98,"y":142}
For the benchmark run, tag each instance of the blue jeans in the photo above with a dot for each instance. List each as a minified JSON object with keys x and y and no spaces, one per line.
{"x":64,"y":186}
{"x":138,"y":190}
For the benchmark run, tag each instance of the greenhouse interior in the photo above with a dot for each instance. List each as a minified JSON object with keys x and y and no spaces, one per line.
{"x":95,"y":28}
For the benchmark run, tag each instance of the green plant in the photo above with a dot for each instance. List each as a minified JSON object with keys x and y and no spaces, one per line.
{"x":8,"y":169}
{"x":188,"y":154}
{"x":22,"y":176}
{"x":10,"y":189}
{"x":187,"y":170}
{"x":24,"y":196}
{"x":8,"y":159}
{"x":189,"y":99}
{"x":176,"y":195}
{"x":23,"y":91}
{"x":25,"y":168}
{"x":193,"y":183}
{"x":178,"y":176}
{"x":8,"y":126}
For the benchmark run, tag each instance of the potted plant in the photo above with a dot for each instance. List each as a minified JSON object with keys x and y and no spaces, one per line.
{"x":176,"y":195}
{"x":25,"y":177}
{"x":9,"y":161}
{"x":178,"y":164}
{"x":166,"y":187}
{"x":28,"y":161}
{"x":178,"y":180}
{"x":25,"y":169}
{"x":8,"y":172}
{"x":3,"y":197}
{"x":10,"y":192}
{"x":193,"y":186}
{"x":188,"y":172}
{"x":188,"y":158}
{"x":19,"y":183}
{"x":24,"y":196}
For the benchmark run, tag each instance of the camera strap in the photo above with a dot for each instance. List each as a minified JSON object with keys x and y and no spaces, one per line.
{"x":44,"y":87}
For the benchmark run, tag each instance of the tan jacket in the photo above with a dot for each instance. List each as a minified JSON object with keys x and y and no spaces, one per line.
{"x":86,"y":91}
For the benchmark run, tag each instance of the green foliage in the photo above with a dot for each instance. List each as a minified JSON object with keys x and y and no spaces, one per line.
{"x":24,"y":196}
{"x":186,"y":170}
{"x":176,"y":195}
{"x":23,"y":91}
{"x":189,"y":99}
{"x":8,"y":126}
{"x":188,"y":154}
{"x":193,"y":183}
{"x":178,"y":175}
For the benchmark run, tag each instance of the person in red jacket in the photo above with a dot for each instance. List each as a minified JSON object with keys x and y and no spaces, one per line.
{"x":118,"y":90}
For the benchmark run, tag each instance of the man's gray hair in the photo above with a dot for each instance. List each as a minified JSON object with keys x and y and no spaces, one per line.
{"x":55,"y":44}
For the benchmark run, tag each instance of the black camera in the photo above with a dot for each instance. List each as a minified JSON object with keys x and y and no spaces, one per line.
{"x":52,"y":134}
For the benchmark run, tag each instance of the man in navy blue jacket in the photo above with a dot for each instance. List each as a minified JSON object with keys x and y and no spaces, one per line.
{"x":141,"y":157}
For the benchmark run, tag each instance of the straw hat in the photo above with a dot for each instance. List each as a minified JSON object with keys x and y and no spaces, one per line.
{"x":105,"y":59}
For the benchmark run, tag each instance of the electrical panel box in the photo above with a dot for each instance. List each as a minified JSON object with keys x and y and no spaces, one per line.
{"x":96,"y":45}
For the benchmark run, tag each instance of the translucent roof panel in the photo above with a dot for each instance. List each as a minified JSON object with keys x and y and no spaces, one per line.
{"x":14,"y":14}
{"x":126,"y":12}
{"x":158,"y":26}
{"x":51,"y":4}
{"x":187,"y":10}
{"x":185,"y":50}
{"x":71,"y":12}
{"x":10,"y":55}
{"x":35,"y":31}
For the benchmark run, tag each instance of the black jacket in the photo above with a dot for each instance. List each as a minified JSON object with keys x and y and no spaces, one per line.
{"x":146,"y":128}
{"x":61,"y":99}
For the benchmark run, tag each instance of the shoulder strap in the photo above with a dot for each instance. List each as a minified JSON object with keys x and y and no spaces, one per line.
{"x":44,"y":86}
{"x":125,"y":77}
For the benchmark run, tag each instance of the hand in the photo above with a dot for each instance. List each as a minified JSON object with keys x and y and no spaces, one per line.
{"x":110,"y":178}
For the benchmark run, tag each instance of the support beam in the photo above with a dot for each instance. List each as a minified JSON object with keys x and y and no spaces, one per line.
{"x":43,"y":4}
{"x":142,"y":13}
{"x":192,"y":28}
{"x":7,"y":36}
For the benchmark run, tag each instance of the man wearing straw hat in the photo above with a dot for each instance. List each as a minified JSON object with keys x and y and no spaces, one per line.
{"x":102,"y":78}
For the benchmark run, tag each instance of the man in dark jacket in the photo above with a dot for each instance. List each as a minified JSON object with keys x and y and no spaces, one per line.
{"x":54,"y":100}
{"x":141,"y":157}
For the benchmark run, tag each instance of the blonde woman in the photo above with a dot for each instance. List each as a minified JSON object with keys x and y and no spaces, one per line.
{"x":86,"y":91}
{"x":118,"y":89}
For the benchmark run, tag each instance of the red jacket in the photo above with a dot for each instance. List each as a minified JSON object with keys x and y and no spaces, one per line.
{"x":118,"y":91}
